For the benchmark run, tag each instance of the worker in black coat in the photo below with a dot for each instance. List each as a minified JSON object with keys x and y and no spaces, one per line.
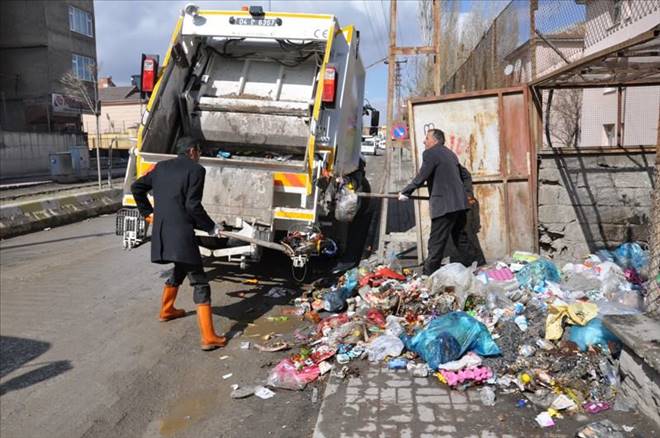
{"x":469,"y":238}
{"x":177,"y":187}
{"x":446,"y":181}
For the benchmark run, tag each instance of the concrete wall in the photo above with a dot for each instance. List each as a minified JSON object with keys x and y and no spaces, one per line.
{"x":590,"y":201}
{"x":26,"y":153}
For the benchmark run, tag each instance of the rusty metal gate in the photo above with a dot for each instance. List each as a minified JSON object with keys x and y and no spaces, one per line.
{"x":490,"y":132}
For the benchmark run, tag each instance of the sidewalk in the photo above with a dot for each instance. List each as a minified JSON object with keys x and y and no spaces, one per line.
{"x":388,"y":403}
{"x":34,"y":212}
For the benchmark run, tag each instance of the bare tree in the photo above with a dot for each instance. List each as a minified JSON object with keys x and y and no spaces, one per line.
{"x":460,"y":31}
{"x":76,"y":87}
{"x":565,"y":116}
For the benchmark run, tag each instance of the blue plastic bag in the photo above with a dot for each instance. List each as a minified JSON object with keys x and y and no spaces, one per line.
{"x":593,"y":333}
{"x":449,"y":337}
{"x":335,"y":300}
{"x":631,"y":255}
{"x":535,"y":275}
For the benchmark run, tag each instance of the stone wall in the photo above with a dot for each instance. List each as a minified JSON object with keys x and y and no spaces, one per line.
{"x":26,"y":153}
{"x":590,"y":199}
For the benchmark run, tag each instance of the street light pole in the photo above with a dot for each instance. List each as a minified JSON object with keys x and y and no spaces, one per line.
{"x":97,"y":112}
{"x":98,"y":139}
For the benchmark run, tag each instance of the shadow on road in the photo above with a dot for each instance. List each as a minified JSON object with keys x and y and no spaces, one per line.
{"x":64,"y":239}
{"x":15,"y":353}
{"x":273,"y":271}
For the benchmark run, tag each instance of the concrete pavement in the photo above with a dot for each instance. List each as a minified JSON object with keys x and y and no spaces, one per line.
{"x":391,"y":403}
{"x":84,"y":355}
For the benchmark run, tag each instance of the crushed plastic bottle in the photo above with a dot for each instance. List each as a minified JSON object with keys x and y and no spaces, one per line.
{"x":526,"y":350}
{"x":418,"y":369}
{"x":487,"y":396}
{"x":397,"y":363}
{"x":521,"y":322}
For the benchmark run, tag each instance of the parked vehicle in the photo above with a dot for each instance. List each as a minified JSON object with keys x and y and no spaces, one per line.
{"x":369,"y":146}
{"x":276,"y":99}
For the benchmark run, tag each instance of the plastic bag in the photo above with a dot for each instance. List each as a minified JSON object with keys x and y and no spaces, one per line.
{"x":335,"y":299}
{"x":393,"y":326}
{"x":487,"y":396}
{"x":594,"y":333}
{"x":449,"y":337}
{"x":615,"y":287}
{"x":631,"y":255}
{"x":536,"y":274}
{"x":333,"y":322}
{"x":348,"y":204}
{"x":382,"y":346}
{"x":286,"y":376}
{"x":457,"y":276}
{"x":375,"y":316}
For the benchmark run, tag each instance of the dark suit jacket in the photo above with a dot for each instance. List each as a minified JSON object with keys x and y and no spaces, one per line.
{"x":177,"y":186}
{"x":447,"y":181}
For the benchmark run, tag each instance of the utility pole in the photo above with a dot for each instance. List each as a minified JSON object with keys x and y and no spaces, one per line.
{"x":394,"y":84}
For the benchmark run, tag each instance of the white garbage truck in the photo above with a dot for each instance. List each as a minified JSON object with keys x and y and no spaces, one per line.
{"x":276,"y":100}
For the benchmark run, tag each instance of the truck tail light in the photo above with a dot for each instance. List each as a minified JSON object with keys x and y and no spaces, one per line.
{"x":149,"y":75}
{"x":329,"y":84}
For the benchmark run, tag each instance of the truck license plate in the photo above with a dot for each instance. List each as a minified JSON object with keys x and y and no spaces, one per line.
{"x":246,"y":21}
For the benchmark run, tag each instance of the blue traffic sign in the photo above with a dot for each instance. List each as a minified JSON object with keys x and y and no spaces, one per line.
{"x":400,"y":132}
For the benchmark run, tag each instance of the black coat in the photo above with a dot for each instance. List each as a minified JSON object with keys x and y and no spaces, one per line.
{"x":177,"y":186}
{"x":446,"y":179}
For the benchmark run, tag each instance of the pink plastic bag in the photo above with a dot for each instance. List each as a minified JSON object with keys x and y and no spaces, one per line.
{"x":286,"y":376}
{"x":502,"y":274}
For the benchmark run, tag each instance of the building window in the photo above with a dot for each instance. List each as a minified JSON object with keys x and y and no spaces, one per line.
{"x":83,"y":67}
{"x":608,"y":134}
{"x":81,"y":21}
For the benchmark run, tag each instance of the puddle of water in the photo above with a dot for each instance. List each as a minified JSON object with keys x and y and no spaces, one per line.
{"x":263,"y":326}
{"x":184,"y":412}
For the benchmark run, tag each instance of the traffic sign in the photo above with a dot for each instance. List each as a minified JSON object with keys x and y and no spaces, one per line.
{"x":400,"y":131}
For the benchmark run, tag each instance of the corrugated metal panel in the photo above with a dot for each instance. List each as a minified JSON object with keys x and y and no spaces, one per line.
{"x":489,"y":132}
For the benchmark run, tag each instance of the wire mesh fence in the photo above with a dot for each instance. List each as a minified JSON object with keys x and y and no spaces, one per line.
{"x":531,"y":38}
{"x":653,"y":296}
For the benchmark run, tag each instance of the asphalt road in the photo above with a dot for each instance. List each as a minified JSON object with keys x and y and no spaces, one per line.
{"x":83,"y":354}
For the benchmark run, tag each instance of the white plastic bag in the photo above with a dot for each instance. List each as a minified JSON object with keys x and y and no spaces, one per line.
{"x":460,"y":278}
{"x":393,"y":326}
{"x":382,"y":346}
{"x":347,"y":204}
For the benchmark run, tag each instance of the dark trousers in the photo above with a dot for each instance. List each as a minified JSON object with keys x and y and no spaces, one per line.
{"x":197,"y":278}
{"x":451,"y":224}
{"x":469,"y":239}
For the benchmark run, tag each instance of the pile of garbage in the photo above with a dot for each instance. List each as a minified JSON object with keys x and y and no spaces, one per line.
{"x":518,"y":326}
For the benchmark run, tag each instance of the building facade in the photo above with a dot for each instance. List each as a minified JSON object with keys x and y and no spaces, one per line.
{"x":121,"y":112}
{"x":40,"y":42}
{"x":609,"y":23}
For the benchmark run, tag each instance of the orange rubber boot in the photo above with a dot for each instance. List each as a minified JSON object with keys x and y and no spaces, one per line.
{"x":167,"y":310}
{"x":210,"y":341}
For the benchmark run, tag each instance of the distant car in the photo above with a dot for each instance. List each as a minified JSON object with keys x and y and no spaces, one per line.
{"x":369,"y":147}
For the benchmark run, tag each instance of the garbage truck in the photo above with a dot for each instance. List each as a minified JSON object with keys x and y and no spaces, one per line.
{"x":276,"y":101}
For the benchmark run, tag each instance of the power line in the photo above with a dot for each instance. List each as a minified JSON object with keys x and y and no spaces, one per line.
{"x":373,"y":31}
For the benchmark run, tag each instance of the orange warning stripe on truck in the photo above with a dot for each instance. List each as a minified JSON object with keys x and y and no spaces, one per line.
{"x":283,"y":180}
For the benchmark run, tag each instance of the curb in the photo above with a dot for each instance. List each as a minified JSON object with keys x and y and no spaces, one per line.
{"x":35,"y":215}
